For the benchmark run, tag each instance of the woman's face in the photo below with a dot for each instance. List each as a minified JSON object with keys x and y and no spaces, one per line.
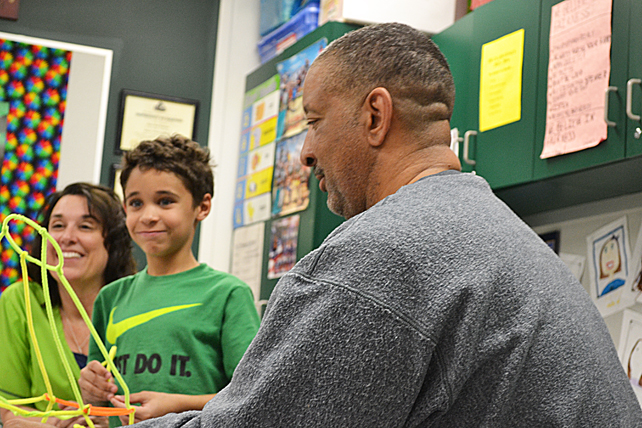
{"x":610,"y":258}
{"x":80,"y":237}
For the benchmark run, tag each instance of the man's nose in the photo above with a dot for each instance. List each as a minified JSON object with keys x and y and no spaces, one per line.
{"x":307,"y":158}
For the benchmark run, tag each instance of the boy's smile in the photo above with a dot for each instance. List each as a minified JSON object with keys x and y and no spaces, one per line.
{"x":162,"y":217}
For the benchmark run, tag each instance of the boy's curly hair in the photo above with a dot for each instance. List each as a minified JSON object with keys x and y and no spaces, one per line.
{"x":177,"y":154}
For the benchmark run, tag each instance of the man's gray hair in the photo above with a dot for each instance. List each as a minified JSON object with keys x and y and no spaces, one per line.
{"x":395,"y":56}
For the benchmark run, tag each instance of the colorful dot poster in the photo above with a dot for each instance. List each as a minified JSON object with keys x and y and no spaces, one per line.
{"x":33,"y":92}
{"x":256,"y":157}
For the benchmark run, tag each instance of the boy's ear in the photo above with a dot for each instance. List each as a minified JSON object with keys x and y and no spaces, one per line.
{"x":204,"y":207}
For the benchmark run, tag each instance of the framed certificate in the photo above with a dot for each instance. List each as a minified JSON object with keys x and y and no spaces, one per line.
{"x":146,"y":116}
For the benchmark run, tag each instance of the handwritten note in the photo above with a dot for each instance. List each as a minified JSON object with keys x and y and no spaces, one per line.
{"x":500,"y":85}
{"x":578,"y":75}
{"x":247,"y":256}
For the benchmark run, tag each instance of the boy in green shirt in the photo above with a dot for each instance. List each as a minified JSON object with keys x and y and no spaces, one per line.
{"x":180,"y":327}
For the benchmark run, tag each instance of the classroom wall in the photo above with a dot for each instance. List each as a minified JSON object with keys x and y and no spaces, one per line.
{"x":576,"y":222}
{"x":164,"y":47}
{"x":237,"y":55}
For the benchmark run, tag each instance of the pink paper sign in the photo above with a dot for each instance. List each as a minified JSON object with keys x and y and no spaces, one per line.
{"x":578,"y":75}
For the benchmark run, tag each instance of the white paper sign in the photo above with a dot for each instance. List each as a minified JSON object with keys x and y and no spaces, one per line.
{"x":578,"y":75}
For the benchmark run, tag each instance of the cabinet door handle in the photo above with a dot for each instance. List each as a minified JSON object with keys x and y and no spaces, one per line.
{"x":467,"y":135}
{"x":606,"y":106}
{"x":629,"y":98}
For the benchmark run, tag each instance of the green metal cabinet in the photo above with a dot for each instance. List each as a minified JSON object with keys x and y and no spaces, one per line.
{"x":634,"y":126}
{"x":614,"y":147}
{"x":454,"y":42}
{"x":503,"y":155}
{"x":508,"y":157}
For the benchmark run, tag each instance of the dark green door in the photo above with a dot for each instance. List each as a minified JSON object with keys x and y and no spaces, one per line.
{"x":454,"y":42}
{"x":504,"y":155}
{"x":634,"y":125}
{"x":613,"y":148}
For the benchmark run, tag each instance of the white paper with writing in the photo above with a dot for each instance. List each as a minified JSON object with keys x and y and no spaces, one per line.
{"x":247,"y":256}
{"x":578,"y":75}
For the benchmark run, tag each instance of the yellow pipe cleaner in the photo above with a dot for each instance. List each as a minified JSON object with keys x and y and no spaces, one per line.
{"x":84,"y":410}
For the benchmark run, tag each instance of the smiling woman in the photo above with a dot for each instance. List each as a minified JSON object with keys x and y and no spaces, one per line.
{"x":88,"y":223}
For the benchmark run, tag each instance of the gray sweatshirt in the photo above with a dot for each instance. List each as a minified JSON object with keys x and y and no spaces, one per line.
{"x":436,"y":307}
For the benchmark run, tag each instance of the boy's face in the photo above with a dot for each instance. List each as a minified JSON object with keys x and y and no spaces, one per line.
{"x":161,"y":217}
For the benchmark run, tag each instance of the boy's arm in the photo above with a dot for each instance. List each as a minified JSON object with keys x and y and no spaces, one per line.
{"x":155,"y":404}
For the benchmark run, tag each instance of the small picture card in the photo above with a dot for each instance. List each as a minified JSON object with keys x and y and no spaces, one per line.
{"x":608,"y":257}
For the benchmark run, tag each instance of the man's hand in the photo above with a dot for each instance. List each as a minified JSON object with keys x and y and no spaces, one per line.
{"x":96,"y":384}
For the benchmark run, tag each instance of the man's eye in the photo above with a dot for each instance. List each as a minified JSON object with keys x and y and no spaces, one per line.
{"x":165,"y":202}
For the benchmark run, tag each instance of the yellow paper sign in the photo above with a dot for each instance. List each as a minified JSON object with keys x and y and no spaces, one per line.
{"x":259,"y":183}
{"x":263,"y":133}
{"x":500,"y":85}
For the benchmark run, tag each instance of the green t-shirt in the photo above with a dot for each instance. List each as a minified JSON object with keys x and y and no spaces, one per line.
{"x":20,"y":375}
{"x":183,"y":333}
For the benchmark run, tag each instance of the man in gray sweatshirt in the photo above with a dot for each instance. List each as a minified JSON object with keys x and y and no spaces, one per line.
{"x":433,"y":305}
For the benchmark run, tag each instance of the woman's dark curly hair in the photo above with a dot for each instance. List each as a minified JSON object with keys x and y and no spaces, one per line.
{"x":106,"y":208}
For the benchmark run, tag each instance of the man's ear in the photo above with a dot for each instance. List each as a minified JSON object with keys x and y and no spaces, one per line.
{"x":204,"y":207}
{"x":378,"y":107}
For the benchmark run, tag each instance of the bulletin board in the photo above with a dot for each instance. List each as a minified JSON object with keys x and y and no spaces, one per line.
{"x":54,"y":99}
{"x":280,"y":214}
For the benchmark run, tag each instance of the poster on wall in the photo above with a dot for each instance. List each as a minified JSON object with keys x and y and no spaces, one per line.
{"x":500,"y":82}
{"x":284,"y":236}
{"x":578,"y":76}
{"x":256,"y":154}
{"x":33,"y":82}
{"x":291,"y":189}
{"x":609,"y":258}
{"x":292,"y":72}
{"x":247,"y":256}
{"x":634,"y":281}
{"x":630,"y":350}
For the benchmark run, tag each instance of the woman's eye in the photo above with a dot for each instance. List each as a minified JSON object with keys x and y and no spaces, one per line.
{"x":134,"y":203}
